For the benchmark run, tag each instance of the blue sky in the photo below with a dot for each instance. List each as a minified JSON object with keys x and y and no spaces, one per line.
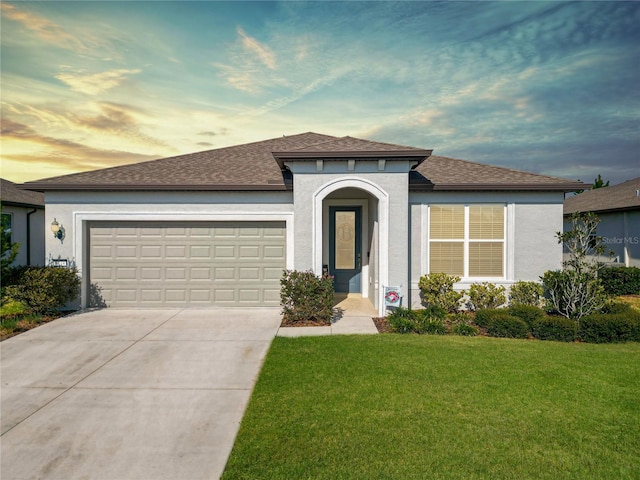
{"x":552,"y":88}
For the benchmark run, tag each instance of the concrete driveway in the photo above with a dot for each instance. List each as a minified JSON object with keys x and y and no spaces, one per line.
{"x":130,"y":394}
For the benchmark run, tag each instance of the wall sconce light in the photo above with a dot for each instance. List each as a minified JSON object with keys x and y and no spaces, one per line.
{"x":57,"y":229}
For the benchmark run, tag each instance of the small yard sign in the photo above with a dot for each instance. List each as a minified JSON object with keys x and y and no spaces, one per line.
{"x":392,"y":296}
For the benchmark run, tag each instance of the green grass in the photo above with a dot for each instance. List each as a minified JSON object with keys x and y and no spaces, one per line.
{"x":393,"y":406}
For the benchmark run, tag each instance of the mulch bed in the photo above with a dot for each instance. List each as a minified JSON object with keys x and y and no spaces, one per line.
{"x":304,"y":323}
{"x":381,"y":324}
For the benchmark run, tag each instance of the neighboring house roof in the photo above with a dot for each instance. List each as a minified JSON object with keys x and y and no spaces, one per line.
{"x":624,"y":196}
{"x":260,"y":166}
{"x":10,"y":194}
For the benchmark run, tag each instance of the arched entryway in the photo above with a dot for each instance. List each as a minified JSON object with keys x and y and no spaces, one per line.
{"x":350,"y":232}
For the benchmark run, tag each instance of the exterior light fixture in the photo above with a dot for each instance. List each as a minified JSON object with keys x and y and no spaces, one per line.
{"x":57,"y":229}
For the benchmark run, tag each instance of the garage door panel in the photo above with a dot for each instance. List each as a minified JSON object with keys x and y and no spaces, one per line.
{"x":187,"y":263}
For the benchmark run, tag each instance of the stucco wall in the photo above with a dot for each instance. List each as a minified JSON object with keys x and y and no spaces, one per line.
{"x":531,"y":246}
{"x":19,"y":234}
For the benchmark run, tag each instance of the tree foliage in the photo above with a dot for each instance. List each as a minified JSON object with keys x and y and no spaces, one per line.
{"x":576,"y":291}
{"x":8,"y":249}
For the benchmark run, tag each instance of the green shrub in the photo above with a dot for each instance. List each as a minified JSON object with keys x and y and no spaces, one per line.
{"x":617,"y":307}
{"x":483,"y":317}
{"x":620,"y":280}
{"x":437,"y":289}
{"x":560,"y":329}
{"x":610,"y":328}
{"x":526,"y":293}
{"x":306,"y":298}
{"x":507,"y":326}
{"x":528,"y":313}
{"x":486,"y":295}
{"x":45,"y":290}
{"x":401,"y":320}
{"x":431,"y":320}
{"x":465,"y":330}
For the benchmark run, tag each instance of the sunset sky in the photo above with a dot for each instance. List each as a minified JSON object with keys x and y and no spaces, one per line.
{"x":552,"y":88}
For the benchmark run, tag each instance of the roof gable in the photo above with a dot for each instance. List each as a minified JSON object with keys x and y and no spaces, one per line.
{"x":624,"y":196}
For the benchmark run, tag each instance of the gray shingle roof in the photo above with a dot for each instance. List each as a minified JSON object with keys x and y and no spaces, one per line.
{"x":250,"y":166}
{"x":10,"y":194}
{"x":623,"y":196}
{"x":444,"y":173}
{"x":257,"y":166}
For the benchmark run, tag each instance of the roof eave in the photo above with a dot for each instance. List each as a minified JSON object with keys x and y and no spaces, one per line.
{"x":20,"y":204}
{"x":559,"y":187}
{"x":137,"y":187}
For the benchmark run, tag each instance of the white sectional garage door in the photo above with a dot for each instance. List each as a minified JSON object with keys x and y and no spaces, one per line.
{"x":186,"y":263}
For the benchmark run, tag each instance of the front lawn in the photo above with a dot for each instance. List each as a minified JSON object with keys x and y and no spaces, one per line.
{"x":393,"y":406}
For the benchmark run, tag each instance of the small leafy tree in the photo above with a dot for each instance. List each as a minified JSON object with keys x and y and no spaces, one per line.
{"x":576,"y":291}
{"x":437,"y":290}
{"x":8,"y":249}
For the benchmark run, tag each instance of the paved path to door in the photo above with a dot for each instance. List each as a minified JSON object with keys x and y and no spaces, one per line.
{"x":130,"y":394}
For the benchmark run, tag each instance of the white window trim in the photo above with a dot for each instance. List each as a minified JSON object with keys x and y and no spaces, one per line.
{"x":508,"y":253}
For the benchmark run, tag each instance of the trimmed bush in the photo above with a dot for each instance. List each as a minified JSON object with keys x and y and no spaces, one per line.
{"x":610,"y":328}
{"x":401,"y":320}
{"x":560,"y":329}
{"x":528,"y":313}
{"x":483,"y":317}
{"x":486,"y":295}
{"x":306,"y":298}
{"x":431,"y":320}
{"x":508,"y":327}
{"x":45,"y":290}
{"x":620,"y":280}
{"x":465,"y":330}
{"x":616,"y":307}
{"x":526,"y":293}
{"x":436,"y":289}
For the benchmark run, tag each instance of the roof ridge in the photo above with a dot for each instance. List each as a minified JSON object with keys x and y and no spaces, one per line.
{"x":385,"y":143}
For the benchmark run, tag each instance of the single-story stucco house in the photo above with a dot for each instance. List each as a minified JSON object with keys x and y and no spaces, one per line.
{"x":618,"y":208}
{"x":23,"y":216}
{"x":217,"y":228}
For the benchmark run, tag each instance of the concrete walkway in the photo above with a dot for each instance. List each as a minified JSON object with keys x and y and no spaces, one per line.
{"x":353,"y":317}
{"x":130,"y":394}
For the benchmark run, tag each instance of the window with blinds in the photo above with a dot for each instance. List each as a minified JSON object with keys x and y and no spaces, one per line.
{"x":467,"y":240}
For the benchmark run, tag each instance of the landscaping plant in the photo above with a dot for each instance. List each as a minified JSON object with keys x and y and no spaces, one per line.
{"x":526,"y":293}
{"x":621,"y":280}
{"x":45,"y":290}
{"x":576,"y":291}
{"x":8,"y":249}
{"x":485,"y":295}
{"x":436,"y":289}
{"x":306,"y":298}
